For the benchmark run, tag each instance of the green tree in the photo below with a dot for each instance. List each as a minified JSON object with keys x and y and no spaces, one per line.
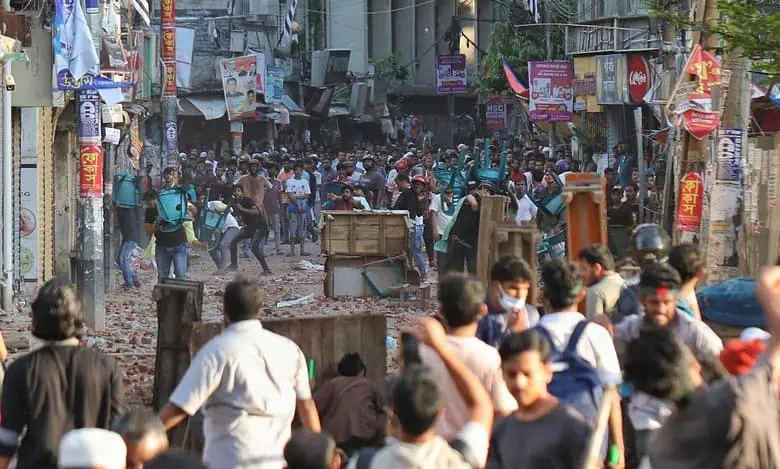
{"x":753,"y":26}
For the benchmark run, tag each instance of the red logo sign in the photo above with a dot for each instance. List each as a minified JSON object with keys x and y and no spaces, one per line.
{"x":639,"y":77}
{"x":90,"y":170}
{"x":689,"y":208}
{"x":700,"y":123}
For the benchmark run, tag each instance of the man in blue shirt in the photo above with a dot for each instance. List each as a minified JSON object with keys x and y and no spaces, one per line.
{"x":624,"y":162}
{"x":510,"y":281}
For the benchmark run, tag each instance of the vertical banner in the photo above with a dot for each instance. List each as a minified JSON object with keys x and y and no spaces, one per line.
{"x":274,"y":85}
{"x":239,"y":80}
{"x":730,"y":159}
{"x":28,"y":223}
{"x":260,"y":79}
{"x":90,"y":170}
{"x":690,"y":206}
{"x":89,"y":117}
{"x":171,"y":134}
{"x":552,"y":91}
{"x":495,"y":114}
{"x":451,"y":74}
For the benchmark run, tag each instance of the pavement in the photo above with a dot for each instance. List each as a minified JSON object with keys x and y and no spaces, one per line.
{"x":131,"y":318}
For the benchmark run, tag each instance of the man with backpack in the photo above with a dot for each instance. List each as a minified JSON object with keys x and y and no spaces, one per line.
{"x":583,"y":350}
{"x":168,"y":216}
{"x":417,"y":404}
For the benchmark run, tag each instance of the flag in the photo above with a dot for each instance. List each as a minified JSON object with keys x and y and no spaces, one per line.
{"x":533,"y":9}
{"x":514,"y":83}
{"x":142,"y":8}
{"x":73,"y":47}
{"x":285,"y":43}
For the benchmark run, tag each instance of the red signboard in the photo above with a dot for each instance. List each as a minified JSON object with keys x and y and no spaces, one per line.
{"x":707,"y":69}
{"x":168,"y":12}
{"x":90,"y":169}
{"x":168,"y":44}
{"x":640,"y":78}
{"x":700,"y":123}
{"x":169,"y":87}
{"x":689,"y":208}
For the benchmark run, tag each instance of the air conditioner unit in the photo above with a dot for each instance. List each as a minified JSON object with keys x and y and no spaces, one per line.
{"x":358,"y":99}
{"x":319,"y":60}
{"x":261,"y":7}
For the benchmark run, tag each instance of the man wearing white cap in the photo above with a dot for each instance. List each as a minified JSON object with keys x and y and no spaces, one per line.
{"x":91,"y":448}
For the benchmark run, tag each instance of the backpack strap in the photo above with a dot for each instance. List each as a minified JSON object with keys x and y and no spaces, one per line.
{"x":579,"y":329}
{"x":549,"y":338}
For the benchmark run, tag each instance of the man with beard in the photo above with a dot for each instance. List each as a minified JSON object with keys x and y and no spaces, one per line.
{"x":254,"y":184}
{"x":373,"y":182}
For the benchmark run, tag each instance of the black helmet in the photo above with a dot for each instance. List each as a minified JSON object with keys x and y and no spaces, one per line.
{"x":650,"y":244}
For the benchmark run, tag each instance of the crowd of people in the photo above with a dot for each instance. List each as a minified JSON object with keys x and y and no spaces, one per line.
{"x":488,"y":380}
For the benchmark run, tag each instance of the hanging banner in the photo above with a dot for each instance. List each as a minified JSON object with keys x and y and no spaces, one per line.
{"x":730,"y":155}
{"x":707,"y":69}
{"x":689,"y":208}
{"x":495,"y":114}
{"x":260,"y":68}
{"x":89,"y":114}
{"x":239,"y":80}
{"x":552,"y":91}
{"x":274,"y":85}
{"x":451,"y":74}
{"x":90,"y":169}
{"x":700,"y":123}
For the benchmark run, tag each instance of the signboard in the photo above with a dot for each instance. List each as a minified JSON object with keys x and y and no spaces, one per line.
{"x":89,"y":114}
{"x":730,"y":155}
{"x":169,"y":87}
{"x":171,"y":134}
{"x":168,"y":44}
{"x":707,"y":69}
{"x":274,"y":85}
{"x":239,"y":80}
{"x":689,"y":208}
{"x":611,"y":73}
{"x":168,"y":12}
{"x":112,"y":136}
{"x":700,"y":123}
{"x":90,"y":170}
{"x":495,"y":115}
{"x":28,"y":223}
{"x":640,"y":78}
{"x":260,"y":68}
{"x":552,"y":91}
{"x":451,"y":74}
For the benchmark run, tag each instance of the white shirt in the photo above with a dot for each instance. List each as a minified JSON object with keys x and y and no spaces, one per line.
{"x":442,"y":219}
{"x":229,"y":221}
{"x":595,"y":345}
{"x":526,"y":210}
{"x":296,"y":187}
{"x":247,"y":380}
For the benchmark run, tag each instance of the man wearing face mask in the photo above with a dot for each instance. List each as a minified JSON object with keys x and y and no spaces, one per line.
{"x":507,"y":312}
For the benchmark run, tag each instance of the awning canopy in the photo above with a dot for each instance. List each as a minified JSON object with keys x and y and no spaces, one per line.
{"x":210,"y":107}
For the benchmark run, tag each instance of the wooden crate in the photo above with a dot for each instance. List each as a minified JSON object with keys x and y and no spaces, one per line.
{"x":344,"y":275}
{"x":367,"y":233}
{"x":325,"y":339}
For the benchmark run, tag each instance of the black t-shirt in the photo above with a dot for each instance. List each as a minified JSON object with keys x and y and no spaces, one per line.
{"x":167,"y":239}
{"x":466,"y":226}
{"x":407,"y":200}
{"x":51,"y":391}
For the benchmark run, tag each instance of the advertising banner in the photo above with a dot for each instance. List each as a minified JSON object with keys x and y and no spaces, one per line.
{"x":451,"y":74}
{"x":552,"y":91}
{"x":730,"y":155}
{"x":89,"y":114}
{"x":640,"y":77}
{"x":495,"y":114}
{"x":274,"y":85}
{"x":239,"y":80}
{"x":689,"y":209}
{"x":700,"y":123}
{"x":90,"y":169}
{"x":611,"y":74}
{"x":260,"y":80}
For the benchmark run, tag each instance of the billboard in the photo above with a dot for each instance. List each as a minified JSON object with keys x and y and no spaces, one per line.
{"x":552,"y":91}
{"x":239,"y":80}
{"x":451,"y":74}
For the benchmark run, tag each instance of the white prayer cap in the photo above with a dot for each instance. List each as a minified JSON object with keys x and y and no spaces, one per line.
{"x":92,"y":448}
{"x":754,"y":333}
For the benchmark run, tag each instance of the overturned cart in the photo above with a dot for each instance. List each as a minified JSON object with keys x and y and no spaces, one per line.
{"x":367,"y":255}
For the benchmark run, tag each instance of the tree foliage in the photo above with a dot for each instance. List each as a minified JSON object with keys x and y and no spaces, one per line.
{"x":753,"y":26}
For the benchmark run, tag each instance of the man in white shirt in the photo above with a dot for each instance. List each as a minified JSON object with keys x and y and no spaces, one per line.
{"x":230,"y":229}
{"x":564,"y":291}
{"x":298,"y":190}
{"x":249,"y":382}
{"x":526,"y":210}
{"x":440,"y":205}
{"x":461,"y":299}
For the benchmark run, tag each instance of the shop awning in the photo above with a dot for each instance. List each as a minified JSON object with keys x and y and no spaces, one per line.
{"x":210,"y":107}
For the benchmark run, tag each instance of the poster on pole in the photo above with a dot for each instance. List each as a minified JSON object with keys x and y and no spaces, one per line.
{"x":552,"y":91}
{"x":90,"y":170}
{"x":28,"y":223}
{"x":690,"y":206}
{"x":730,"y":160}
{"x":239,"y":80}
{"x":274,"y":85}
{"x":495,"y":114}
{"x":451,"y":74}
{"x":89,"y":114}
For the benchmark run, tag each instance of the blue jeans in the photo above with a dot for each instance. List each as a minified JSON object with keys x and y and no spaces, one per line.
{"x":124,"y":262}
{"x":416,"y":244}
{"x":176,"y":255}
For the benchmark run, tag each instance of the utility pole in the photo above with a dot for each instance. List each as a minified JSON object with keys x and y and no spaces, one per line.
{"x":642,"y":164}
{"x":669,"y":78}
{"x":548,"y":43}
{"x":168,"y":100}
{"x":9,"y":220}
{"x":92,"y":282}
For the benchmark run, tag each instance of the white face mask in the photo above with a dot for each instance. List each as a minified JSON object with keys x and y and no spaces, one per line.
{"x":509,"y":303}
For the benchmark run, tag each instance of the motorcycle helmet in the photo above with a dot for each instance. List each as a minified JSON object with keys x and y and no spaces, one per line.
{"x":650,"y":244}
